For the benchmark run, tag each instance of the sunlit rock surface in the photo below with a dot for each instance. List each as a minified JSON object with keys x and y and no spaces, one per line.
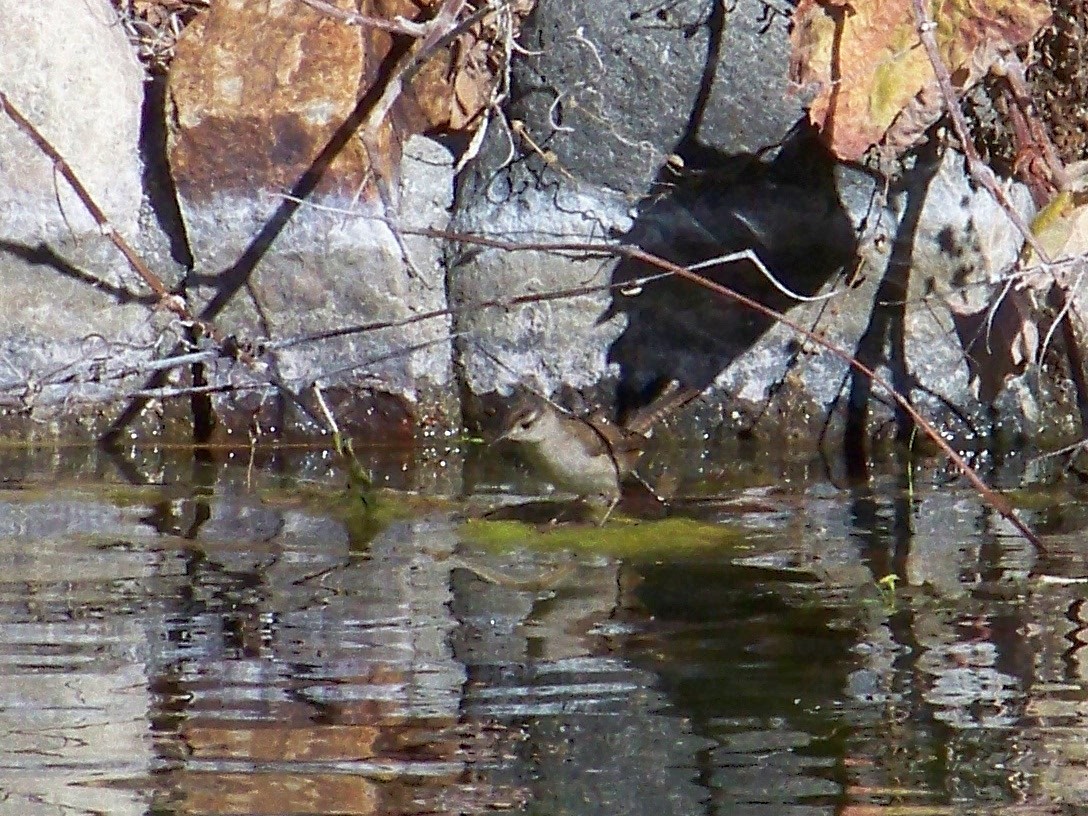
{"x":69,"y":301}
{"x":605,"y":111}
{"x":264,"y":106}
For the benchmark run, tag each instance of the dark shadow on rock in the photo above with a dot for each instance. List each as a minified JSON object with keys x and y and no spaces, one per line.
{"x":44,"y":255}
{"x":157,"y":180}
{"x":162,"y":196}
{"x":787,"y":212}
{"x":884,"y":339}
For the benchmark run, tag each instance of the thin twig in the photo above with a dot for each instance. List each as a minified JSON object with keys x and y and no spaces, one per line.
{"x":632,"y":286}
{"x":1012,"y":69}
{"x":398,"y":25}
{"x":982,"y":173}
{"x":391,"y":355}
{"x":751,"y":257}
{"x":732,"y":257}
{"x":441,"y":30}
{"x":154,"y":282}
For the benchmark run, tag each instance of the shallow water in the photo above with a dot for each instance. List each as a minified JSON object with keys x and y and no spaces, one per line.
{"x":181,"y":636}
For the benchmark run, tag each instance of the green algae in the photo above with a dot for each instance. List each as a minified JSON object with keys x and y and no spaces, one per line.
{"x":669,"y":538}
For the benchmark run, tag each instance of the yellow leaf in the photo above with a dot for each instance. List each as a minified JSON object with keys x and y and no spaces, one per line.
{"x":869,"y":68}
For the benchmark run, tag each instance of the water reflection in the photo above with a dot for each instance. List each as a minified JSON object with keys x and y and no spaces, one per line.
{"x":222,"y":649}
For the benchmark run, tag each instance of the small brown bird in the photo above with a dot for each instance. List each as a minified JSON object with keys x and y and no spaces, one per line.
{"x":588,"y":456}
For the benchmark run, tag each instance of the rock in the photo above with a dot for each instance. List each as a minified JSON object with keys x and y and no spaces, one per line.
{"x":71,"y":304}
{"x":548,"y":344}
{"x":246,"y":130}
{"x":670,"y":130}
{"x":613,"y":90}
{"x":897,"y":266}
{"x":940,"y":241}
{"x":807,"y":218}
{"x":83,"y":92}
{"x":257,"y":89}
{"x":602,"y":106}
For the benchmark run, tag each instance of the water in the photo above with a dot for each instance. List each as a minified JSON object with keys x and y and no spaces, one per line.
{"x":230,"y":640}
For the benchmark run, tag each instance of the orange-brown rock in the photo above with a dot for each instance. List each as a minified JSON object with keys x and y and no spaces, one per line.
{"x":258,"y":88}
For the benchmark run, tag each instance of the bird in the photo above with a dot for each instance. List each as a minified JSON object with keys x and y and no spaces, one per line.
{"x":590,"y":455}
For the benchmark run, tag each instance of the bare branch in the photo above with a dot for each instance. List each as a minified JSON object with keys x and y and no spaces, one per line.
{"x":631,"y":286}
{"x":984,"y":175}
{"x":398,"y":25}
{"x":752,"y":258}
{"x":153,"y":281}
{"x":441,"y":30}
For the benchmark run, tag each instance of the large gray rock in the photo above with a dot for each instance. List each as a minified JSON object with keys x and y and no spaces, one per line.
{"x":940,"y":243}
{"x":547,"y":344}
{"x":614,"y":90}
{"x":336,"y":266}
{"x":611,"y":95}
{"x":83,"y":92}
{"x":70,"y":302}
{"x":246,"y":128}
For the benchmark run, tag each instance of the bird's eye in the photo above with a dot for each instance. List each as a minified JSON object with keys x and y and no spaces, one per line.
{"x":526,"y":423}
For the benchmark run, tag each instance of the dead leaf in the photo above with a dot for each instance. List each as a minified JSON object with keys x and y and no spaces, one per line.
{"x":868,"y":66}
{"x":451,"y":92}
{"x":1061,"y":228}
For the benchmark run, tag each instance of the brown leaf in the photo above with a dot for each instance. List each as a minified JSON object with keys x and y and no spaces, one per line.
{"x":868,"y":65}
{"x":451,"y":91}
